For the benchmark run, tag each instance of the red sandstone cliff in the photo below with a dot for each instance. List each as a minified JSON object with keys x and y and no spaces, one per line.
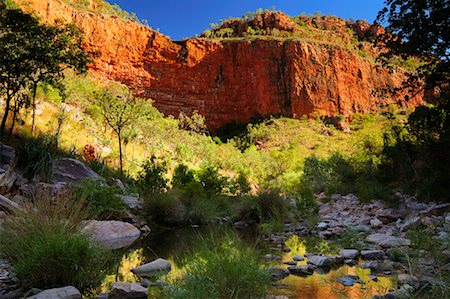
{"x":230,"y":80}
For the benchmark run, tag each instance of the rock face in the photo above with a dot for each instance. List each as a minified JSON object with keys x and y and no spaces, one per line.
{"x":232,"y":80}
{"x":69,"y":292}
{"x":112,"y":234}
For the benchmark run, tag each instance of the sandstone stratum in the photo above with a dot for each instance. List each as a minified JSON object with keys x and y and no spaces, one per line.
{"x":291,"y":68}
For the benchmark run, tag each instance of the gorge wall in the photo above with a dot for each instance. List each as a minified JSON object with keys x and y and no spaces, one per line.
{"x":230,"y":79}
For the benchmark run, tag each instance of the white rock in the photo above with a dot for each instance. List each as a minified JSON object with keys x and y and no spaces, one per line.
{"x":68,"y":292}
{"x":375,"y":223}
{"x":155,"y":268}
{"x":112,"y":234}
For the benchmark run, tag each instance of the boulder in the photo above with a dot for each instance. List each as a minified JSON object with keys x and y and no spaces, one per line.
{"x":68,"y":292}
{"x":322,"y":226}
{"x":112,"y":234}
{"x":278,"y":273}
{"x":157,"y":267}
{"x":349,"y":253}
{"x":375,"y":223}
{"x":436,"y":210}
{"x":127,"y":291}
{"x":133,"y":203}
{"x":372,"y":254}
{"x":347,"y":281}
{"x":389,"y":215}
{"x":409,"y":280}
{"x":402,"y":293}
{"x":386,"y":241}
{"x":70,"y":170}
{"x":323,"y":261}
{"x":298,"y":258}
{"x":303,"y":270}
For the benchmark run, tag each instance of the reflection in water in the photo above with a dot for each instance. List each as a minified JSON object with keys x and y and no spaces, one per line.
{"x":174,"y":245}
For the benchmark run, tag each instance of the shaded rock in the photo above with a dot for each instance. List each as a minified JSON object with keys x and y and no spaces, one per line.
{"x":372,"y":254}
{"x":291,"y":263}
{"x":8,"y":204}
{"x":133,"y":203}
{"x":68,"y":292}
{"x":375,"y":223}
{"x":349,"y":253}
{"x":409,"y":280}
{"x":404,"y":292}
{"x":298,"y":258}
{"x":322,"y":226}
{"x":303,"y":270}
{"x":362,"y":228}
{"x":7,"y":157}
{"x":112,"y":234}
{"x":72,"y":171}
{"x":389,"y":215}
{"x":387,"y":240}
{"x":157,"y":267}
{"x":272,"y":257}
{"x":436,"y":210}
{"x":278,"y":273}
{"x":346,"y":281}
{"x":127,"y":291}
{"x":323,"y":261}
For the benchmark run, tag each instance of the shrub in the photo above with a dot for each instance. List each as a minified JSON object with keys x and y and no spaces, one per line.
{"x":151,"y":179}
{"x":102,"y":200}
{"x":264,"y":208}
{"x":182,"y":176}
{"x":35,"y":157}
{"x":47,"y":249}
{"x":164,"y":208}
{"x":227,"y":270}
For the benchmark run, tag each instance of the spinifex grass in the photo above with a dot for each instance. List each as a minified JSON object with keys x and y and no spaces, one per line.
{"x":46,"y":247}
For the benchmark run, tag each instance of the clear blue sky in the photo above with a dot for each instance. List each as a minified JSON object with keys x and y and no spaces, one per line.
{"x":181,"y":18}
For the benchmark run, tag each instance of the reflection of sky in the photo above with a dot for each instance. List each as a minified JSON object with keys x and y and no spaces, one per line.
{"x":316,"y":286}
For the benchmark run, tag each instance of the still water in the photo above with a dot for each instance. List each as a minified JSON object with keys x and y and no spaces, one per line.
{"x":173,"y":245}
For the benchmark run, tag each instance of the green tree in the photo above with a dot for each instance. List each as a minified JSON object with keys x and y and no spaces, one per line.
{"x":121,"y":110}
{"x":422,"y":29}
{"x":31,"y":53}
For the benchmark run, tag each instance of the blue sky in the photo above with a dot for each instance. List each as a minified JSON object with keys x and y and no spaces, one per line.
{"x":179,"y":19}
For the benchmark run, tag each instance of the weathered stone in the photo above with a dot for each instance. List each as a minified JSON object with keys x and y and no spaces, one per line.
{"x":404,"y":292}
{"x":133,"y":203}
{"x":346,"y":281}
{"x":375,"y":223}
{"x":349,"y":253}
{"x":372,"y":254}
{"x":323,"y":261}
{"x":112,"y":234}
{"x":278,"y":273}
{"x":69,"y":170}
{"x":409,"y":280}
{"x":436,"y":209}
{"x":389,"y":215}
{"x":298,"y":258}
{"x":155,"y":268}
{"x":386,"y":241}
{"x":322,"y":226}
{"x":303,"y":270}
{"x":127,"y":291}
{"x":272,"y":257}
{"x":68,"y":292}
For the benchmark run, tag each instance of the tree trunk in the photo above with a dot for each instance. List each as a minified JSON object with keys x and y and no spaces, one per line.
{"x":120,"y":154}
{"x":13,"y":120}
{"x":33,"y":122}
{"x":5,"y":117}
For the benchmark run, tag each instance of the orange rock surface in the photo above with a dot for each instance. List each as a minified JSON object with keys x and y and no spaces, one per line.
{"x":230,"y":80}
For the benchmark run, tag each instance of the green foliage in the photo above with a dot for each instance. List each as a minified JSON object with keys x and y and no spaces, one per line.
{"x":164,"y":209}
{"x":31,"y":53}
{"x":266,"y":207}
{"x":221,"y":268}
{"x":102,"y":200}
{"x":35,"y":156}
{"x":47,"y":249}
{"x":151,"y":180}
{"x":416,"y":155}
